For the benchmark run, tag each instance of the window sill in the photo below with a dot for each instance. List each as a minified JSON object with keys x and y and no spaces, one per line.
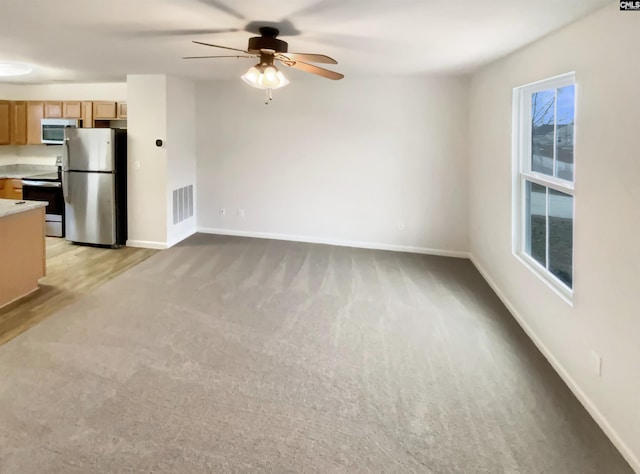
{"x":552,"y":282}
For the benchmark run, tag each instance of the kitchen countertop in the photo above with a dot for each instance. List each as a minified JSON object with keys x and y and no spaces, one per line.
{"x":28,"y":171}
{"x":10,"y":206}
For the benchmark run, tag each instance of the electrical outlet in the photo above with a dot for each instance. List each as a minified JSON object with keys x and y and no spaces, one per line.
{"x":223,"y":211}
{"x":241,"y":213}
{"x":401,"y":225}
{"x":596,"y":363}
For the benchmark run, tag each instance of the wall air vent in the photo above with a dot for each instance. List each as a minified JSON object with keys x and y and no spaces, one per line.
{"x":182,"y":203}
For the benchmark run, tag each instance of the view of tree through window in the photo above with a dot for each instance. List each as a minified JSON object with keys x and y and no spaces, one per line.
{"x":547,"y":174}
{"x":552,"y":114}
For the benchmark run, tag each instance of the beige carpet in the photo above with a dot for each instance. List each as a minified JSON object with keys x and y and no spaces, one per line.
{"x":227,"y":354}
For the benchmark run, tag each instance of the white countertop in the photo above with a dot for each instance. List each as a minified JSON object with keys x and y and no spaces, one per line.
{"x":19,"y":171}
{"x":9,"y":206}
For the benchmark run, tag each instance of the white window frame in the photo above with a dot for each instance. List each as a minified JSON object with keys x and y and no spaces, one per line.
{"x":521,"y":155}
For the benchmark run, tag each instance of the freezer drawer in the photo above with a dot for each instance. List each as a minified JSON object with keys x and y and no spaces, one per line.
{"x":90,"y":215}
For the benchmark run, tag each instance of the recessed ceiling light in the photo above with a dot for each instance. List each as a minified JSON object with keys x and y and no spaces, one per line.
{"x":14,"y":69}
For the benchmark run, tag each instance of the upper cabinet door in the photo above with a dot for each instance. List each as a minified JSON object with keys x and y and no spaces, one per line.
{"x":5,"y":122}
{"x":104,"y":110}
{"x":53,"y":109}
{"x":87,"y":114}
{"x":72,"y":109}
{"x":19,"y":123}
{"x":122,"y":110}
{"x":35,"y":113}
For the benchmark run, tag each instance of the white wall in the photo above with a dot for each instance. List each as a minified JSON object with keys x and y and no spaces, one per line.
{"x":349,"y":162}
{"x":12,"y":91}
{"x":9,"y":155}
{"x":181,"y":151}
{"x":147,"y":164}
{"x":605,"y":316}
{"x":91,"y":91}
{"x":30,"y":154}
{"x":159,"y":107}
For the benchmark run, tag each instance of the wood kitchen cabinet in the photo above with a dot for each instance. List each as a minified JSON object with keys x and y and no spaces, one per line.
{"x":19,"y":123}
{"x":35,"y":114}
{"x":13,"y":122}
{"x":122,"y":110}
{"x":53,"y":109}
{"x":5,"y":122}
{"x":72,"y":109}
{"x":87,"y":114}
{"x":12,"y":189}
{"x":104,"y":110}
{"x":22,"y":251}
{"x":67,"y":109}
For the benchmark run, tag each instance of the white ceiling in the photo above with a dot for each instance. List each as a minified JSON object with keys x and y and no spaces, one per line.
{"x":103,"y":40}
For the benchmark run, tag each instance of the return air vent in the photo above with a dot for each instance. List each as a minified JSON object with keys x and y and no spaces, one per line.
{"x":182,"y":203}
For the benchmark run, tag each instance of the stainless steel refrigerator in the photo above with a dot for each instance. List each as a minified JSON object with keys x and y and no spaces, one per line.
{"x":94,"y":184}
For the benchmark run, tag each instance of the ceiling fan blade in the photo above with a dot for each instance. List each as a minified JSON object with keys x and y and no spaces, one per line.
{"x":311,"y":58}
{"x":210,"y":57}
{"x":319,"y":6}
{"x":193,"y":32}
{"x":319,"y":71}
{"x":223,"y":8}
{"x":218,"y":46}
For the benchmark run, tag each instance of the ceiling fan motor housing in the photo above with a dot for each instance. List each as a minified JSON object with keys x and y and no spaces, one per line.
{"x":258,"y":43}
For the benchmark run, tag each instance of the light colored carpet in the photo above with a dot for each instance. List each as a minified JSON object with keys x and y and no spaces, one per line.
{"x":226,"y":354}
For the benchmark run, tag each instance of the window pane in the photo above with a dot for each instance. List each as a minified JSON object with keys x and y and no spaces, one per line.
{"x":536,"y":232}
{"x":564,"y":132}
{"x":561,"y":236}
{"x":542,"y":130}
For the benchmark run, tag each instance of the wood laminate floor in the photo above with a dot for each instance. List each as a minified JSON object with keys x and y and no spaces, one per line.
{"x":72,"y":271}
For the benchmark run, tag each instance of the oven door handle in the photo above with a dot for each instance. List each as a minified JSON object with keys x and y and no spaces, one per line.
{"x":41,"y":184}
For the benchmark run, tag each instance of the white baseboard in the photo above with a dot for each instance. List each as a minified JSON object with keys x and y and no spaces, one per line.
{"x":177,"y":240}
{"x":147,"y":244}
{"x":150,"y":244}
{"x":340,"y":243}
{"x":568,"y":380}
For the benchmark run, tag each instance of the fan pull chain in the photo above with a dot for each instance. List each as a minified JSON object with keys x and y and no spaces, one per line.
{"x":268,"y":96}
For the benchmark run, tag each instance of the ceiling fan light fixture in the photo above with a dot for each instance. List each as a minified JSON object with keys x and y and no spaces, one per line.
{"x":14,"y":69}
{"x":283,"y":80}
{"x":269,"y":77}
{"x":265,"y":77}
{"x":252,"y":77}
{"x":272,"y":78}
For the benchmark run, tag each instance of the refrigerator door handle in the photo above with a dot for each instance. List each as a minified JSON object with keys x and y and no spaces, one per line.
{"x":65,"y":155}
{"x":65,"y":185}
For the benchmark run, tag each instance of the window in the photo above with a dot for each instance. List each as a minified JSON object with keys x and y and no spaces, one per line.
{"x":543,"y":149}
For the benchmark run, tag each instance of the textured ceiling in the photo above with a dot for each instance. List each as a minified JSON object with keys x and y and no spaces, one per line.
{"x":97,"y":40}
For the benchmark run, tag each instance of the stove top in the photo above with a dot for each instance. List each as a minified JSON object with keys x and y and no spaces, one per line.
{"x":43,"y":177}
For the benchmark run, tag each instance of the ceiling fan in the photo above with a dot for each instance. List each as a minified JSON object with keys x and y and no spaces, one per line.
{"x":268,"y":49}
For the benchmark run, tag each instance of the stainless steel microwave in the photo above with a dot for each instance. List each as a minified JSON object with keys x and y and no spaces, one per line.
{"x":53,"y":130}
